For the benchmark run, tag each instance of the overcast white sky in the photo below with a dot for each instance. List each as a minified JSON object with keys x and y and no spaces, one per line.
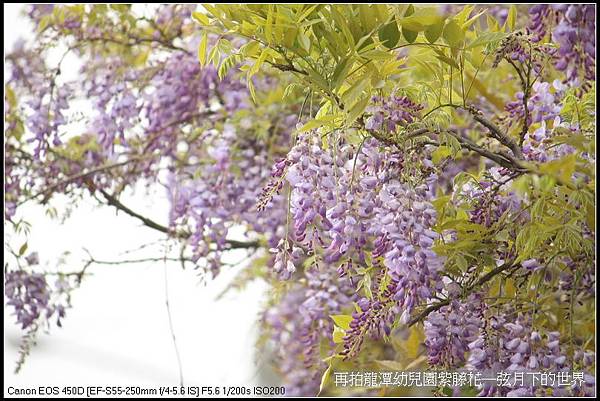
{"x":117,"y":332}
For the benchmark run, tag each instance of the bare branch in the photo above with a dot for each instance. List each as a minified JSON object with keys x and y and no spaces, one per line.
{"x":85,"y":174}
{"x":495,"y":132}
{"x":233,"y":244}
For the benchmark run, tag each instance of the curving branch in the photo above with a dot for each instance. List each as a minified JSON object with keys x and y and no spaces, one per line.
{"x":113,"y":201}
{"x":46,"y":191}
{"x":482,"y":280}
{"x":499,"y":158}
{"x":495,"y":131}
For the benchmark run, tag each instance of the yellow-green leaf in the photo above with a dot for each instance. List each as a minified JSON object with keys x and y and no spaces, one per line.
{"x":440,"y":153}
{"x":357,"y":110}
{"x":22,"y":249}
{"x":342,"y":321}
{"x":202,"y":49}
{"x":200,"y":18}
{"x":338,"y":335}
{"x":324,"y":379}
{"x":512,"y":18}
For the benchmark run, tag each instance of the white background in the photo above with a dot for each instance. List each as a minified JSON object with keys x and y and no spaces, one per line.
{"x":117,"y":332}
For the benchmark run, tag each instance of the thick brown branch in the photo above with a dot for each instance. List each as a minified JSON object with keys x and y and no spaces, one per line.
{"x":496,"y":133}
{"x":500,"y":158}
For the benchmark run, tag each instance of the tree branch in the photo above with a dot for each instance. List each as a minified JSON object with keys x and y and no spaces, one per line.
{"x":85,"y":174}
{"x":499,"y":158}
{"x":495,"y":132}
{"x":113,"y":201}
{"x":482,"y":280}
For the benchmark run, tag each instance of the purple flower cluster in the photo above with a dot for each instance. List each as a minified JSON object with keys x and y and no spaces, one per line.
{"x":32,"y":298}
{"x":275,"y":183}
{"x":450,"y":330}
{"x":210,"y":200}
{"x":405,"y":218}
{"x":349,"y":220}
{"x":47,"y":104}
{"x":486,"y":200}
{"x":301,"y":327}
{"x":523,"y":53}
{"x":388,"y":113}
{"x":543,"y":103}
{"x":375,"y":318}
{"x":515,"y":346}
{"x":572,"y":28}
{"x":346,"y":205}
{"x":285,"y":256}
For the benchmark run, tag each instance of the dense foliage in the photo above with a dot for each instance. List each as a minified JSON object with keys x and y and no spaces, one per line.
{"x":415,"y":183}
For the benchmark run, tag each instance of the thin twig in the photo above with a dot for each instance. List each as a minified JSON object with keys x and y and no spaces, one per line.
{"x":171,"y":320}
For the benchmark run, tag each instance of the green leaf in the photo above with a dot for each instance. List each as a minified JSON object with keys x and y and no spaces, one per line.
{"x":421,"y":19}
{"x":562,"y":168}
{"x":413,"y":342}
{"x":453,"y":34}
{"x":313,"y":124}
{"x":307,"y":12}
{"x":389,"y":34}
{"x":304,"y":41}
{"x":268,"y":29}
{"x":486,"y":38}
{"x":250,"y":49}
{"x":342,"y":321}
{"x":462,"y":16}
{"x":340,"y":72}
{"x":492,"y":23}
{"x":433,"y":32}
{"x":289,"y":90}
{"x":250,"y":85}
{"x":258,"y":63}
{"x":22,"y":249}
{"x":447,"y":391}
{"x":289,"y":37}
{"x":409,"y":35}
{"x":472,"y":20}
{"x":462,"y":263}
{"x":352,"y":93}
{"x":227,"y":63}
